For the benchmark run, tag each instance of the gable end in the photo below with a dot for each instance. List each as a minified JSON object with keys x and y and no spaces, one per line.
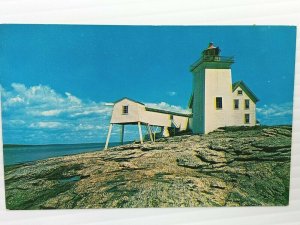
{"x":247,"y":90}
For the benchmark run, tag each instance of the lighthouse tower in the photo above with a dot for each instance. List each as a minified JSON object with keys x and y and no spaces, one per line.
{"x":211,"y":100}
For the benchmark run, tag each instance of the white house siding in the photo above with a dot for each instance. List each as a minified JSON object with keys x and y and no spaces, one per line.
{"x":134,"y":112}
{"x":218,"y":83}
{"x":238,"y":117}
{"x":155,"y":118}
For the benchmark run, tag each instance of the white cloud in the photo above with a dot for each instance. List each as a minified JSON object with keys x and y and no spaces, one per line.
{"x":46,"y":125}
{"x":14,"y":100}
{"x":20,"y":88}
{"x":17,"y":122}
{"x":171,"y":93}
{"x":46,"y":116}
{"x":276,"y":109}
{"x":14,"y":123}
{"x":96,"y":109}
{"x":275,"y":113}
{"x":41,"y":100}
{"x":72,"y":98}
{"x":53,"y":112}
{"x":36,"y":95}
{"x":2,"y":90}
{"x":38,"y":114}
{"x":90,"y":127}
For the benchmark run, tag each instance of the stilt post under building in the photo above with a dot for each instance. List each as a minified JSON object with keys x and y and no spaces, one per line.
{"x":150,"y":132}
{"x":140,"y":132}
{"x":108,"y":136}
{"x":122,"y":134}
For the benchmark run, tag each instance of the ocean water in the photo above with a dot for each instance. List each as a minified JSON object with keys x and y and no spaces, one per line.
{"x":15,"y":154}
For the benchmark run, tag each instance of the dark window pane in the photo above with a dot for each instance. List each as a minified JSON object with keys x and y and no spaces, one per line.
{"x":247,"y":118}
{"x":125,"y":109}
{"x":236,"y":103}
{"x":247,"y":104}
{"x":219,"y":102}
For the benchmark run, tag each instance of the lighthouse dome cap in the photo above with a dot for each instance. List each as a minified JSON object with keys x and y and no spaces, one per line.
{"x":211,"y":45}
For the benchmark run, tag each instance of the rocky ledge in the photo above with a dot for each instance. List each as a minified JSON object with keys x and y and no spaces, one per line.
{"x":229,"y":167}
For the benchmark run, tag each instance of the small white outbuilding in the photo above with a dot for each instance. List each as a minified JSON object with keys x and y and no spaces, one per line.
{"x":127,"y":112}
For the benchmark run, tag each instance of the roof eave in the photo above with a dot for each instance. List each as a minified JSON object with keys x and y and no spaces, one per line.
{"x":129,"y":100}
{"x":167,"y":112}
{"x":241,"y":84}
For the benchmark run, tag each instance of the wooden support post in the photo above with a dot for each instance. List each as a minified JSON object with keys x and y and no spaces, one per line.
{"x":166,"y":132}
{"x":153,"y":133}
{"x":122,"y":134}
{"x":108,"y":136}
{"x":150,"y":132}
{"x":140,"y":132}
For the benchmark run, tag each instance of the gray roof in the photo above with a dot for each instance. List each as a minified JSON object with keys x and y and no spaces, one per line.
{"x":168,"y":112}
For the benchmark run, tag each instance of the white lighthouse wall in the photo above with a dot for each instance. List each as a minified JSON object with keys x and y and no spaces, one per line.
{"x":218,"y":83}
{"x":238,"y":118}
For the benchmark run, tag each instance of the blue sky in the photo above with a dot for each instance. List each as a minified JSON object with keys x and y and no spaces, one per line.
{"x":56,"y":80}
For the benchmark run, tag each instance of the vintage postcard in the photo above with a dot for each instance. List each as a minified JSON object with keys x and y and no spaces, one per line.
{"x":146,"y":116}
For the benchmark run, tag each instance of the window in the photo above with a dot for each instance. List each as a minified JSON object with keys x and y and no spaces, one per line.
{"x":218,"y":102}
{"x":247,"y":104}
{"x":125,"y":109}
{"x":240,"y":92}
{"x":247,"y":118}
{"x":236,"y":104}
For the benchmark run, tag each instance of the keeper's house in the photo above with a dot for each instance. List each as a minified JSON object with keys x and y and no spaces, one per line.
{"x":215,"y":102}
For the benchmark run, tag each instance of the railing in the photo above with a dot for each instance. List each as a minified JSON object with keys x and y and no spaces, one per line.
{"x":211,"y":58}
